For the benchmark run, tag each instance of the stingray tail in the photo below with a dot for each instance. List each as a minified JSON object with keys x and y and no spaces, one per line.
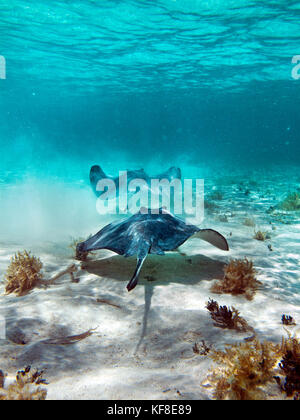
{"x":135,"y":278}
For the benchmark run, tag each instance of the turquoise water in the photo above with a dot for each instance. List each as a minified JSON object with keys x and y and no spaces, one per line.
{"x":130,"y":84}
{"x":178,"y":81}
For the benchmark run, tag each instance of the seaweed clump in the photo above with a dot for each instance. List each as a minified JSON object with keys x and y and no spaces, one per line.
{"x":78,"y":255}
{"x":23,"y":273}
{"x":261,"y":236}
{"x":76,"y":246}
{"x":290,"y":365}
{"x":25,"y":387}
{"x":74,"y":242}
{"x":239,"y":279}
{"x":227,"y":318}
{"x":290,"y":203}
{"x":243,"y":370}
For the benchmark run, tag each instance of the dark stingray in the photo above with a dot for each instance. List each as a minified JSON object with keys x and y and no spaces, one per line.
{"x":97,"y":174}
{"x":147,"y":233}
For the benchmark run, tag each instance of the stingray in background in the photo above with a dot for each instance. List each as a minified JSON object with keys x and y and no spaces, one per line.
{"x":97,"y":174}
{"x":147,"y":233}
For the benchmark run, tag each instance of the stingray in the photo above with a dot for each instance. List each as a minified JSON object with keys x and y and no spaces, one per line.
{"x":148,"y":233}
{"x":97,"y":174}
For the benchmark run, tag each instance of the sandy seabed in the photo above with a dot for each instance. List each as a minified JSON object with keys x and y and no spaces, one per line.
{"x":141,"y":346}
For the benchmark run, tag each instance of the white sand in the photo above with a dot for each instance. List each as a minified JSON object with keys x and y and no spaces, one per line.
{"x":142,"y":347}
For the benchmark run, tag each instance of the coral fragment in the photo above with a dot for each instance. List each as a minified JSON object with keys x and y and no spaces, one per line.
{"x":287,"y":320}
{"x":25,"y":387}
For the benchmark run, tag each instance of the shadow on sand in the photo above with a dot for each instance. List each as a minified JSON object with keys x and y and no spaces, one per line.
{"x":157,"y":270}
{"x":171,"y":268}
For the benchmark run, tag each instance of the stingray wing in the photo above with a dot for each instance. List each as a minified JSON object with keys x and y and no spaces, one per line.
{"x":114,"y":237}
{"x":123,"y":237}
{"x":213,"y":237}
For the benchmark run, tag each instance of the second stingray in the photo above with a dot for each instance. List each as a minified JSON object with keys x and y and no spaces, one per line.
{"x":147,"y":233}
{"x":97,"y":174}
